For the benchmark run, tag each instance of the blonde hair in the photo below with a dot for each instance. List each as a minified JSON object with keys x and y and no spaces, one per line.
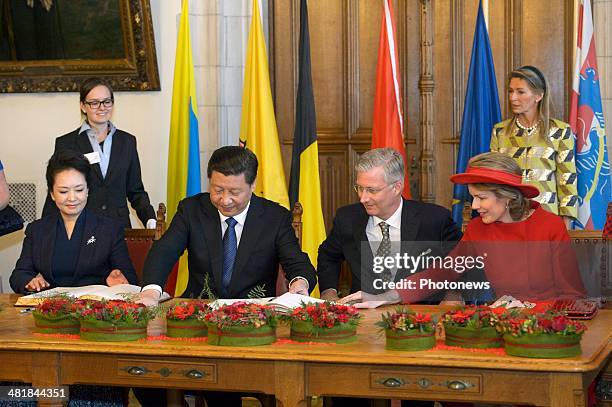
{"x":518,"y":205}
{"x":537,"y":82}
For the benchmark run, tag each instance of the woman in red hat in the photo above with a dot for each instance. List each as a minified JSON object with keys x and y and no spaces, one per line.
{"x":526,"y":251}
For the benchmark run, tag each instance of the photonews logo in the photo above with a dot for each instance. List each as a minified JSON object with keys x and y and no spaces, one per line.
{"x":455,"y":263}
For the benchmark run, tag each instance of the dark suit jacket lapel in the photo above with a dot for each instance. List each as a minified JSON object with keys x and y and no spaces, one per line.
{"x":212,"y":232}
{"x":47,"y":246}
{"x":116,"y":158}
{"x":251,"y":230}
{"x":361,"y":240}
{"x":90,"y":240}
{"x":84,"y":145}
{"x":410,"y":223}
{"x":409,"y":234}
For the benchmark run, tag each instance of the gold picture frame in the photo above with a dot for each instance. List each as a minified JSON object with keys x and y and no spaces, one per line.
{"x":68,"y":41}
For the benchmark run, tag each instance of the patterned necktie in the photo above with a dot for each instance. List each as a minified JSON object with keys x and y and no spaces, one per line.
{"x":384,"y":250}
{"x":229,"y":255}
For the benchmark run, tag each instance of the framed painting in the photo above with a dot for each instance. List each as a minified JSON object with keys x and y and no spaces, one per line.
{"x":53,"y":45}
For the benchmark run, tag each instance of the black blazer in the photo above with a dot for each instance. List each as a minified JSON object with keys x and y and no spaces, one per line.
{"x":267,"y":240}
{"x":107,"y":196}
{"x":421,"y":222}
{"x":96,"y":260}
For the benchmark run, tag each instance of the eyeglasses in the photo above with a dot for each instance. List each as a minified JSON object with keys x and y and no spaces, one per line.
{"x":95,"y":104}
{"x":371,"y":191}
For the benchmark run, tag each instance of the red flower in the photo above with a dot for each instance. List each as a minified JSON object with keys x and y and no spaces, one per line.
{"x":325,"y":314}
{"x":404,"y":319}
{"x":545,"y":324}
{"x":498,"y":311}
{"x":242,"y":314}
{"x":559,"y":323}
{"x":422,"y":318}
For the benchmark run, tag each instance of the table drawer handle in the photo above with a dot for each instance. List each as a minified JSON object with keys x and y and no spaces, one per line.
{"x":137,"y":371}
{"x":392,"y":382}
{"x":458,"y":385}
{"x":194,"y":374}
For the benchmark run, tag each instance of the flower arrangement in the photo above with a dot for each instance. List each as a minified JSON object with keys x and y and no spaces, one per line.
{"x":113,"y":320}
{"x":55,"y":315}
{"x":241,"y":324}
{"x":472,"y":327}
{"x":185,"y":319}
{"x":324,"y":322}
{"x":408,"y":330}
{"x":544,"y":335}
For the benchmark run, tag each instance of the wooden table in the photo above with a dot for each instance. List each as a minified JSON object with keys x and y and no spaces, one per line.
{"x":293,"y":372}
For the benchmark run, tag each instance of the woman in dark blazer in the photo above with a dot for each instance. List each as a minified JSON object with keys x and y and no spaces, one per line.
{"x":73,"y":247}
{"x":113,"y":157}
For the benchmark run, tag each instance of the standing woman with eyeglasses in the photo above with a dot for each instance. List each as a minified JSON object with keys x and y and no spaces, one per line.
{"x":116,"y":176}
{"x":542,"y":146}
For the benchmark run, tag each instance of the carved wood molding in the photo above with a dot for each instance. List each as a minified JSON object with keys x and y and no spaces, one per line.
{"x":351,"y":88}
{"x":568,"y":14}
{"x":514,"y":33}
{"x":458,"y":50}
{"x":426,"y":88}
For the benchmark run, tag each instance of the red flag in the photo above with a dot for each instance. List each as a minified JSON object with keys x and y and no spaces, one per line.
{"x":388,"y":126}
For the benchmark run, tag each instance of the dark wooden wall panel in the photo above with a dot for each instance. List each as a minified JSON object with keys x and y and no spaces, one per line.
{"x":344,"y":45}
{"x":370,"y":13}
{"x":328,"y":51}
{"x":543,"y":37}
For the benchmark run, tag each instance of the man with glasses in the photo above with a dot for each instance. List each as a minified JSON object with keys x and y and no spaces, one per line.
{"x":376,"y":225}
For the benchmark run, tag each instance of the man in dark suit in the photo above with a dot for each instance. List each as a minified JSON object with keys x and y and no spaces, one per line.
{"x":204,"y":224}
{"x":382,"y":216}
{"x":235,"y":241}
{"x":379,"y":225}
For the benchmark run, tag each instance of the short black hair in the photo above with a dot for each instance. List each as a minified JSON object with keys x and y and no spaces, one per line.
{"x":234,"y":160}
{"x":67,"y":160}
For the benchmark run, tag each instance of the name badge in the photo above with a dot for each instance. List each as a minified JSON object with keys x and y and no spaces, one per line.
{"x":93,"y":158}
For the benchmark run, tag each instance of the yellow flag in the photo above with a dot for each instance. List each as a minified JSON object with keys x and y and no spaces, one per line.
{"x":258,"y":123}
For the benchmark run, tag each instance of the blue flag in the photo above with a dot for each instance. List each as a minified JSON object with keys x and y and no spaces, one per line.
{"x":480,"y":112}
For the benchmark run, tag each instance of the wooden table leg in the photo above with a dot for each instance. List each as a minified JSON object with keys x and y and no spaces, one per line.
{"x":46,"y":374}
{"x":289,"y":384}
{"x":567,"y":390}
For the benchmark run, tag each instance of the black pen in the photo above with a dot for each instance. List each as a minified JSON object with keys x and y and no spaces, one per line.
{"x":26,"y":310}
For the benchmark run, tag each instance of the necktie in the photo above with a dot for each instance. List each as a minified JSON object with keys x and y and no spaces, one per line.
{"x":229,"y":254}
{"x":384,"y":249}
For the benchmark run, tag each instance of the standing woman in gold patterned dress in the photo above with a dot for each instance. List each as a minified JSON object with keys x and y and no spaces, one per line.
{"x":542,"y":146}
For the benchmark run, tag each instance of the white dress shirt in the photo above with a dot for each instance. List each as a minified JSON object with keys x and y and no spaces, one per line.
{"x":374,"y":233}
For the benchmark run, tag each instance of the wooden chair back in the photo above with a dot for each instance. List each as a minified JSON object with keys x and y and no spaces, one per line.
{"x":593,"y":250}
{"x":467,"y":215}
{"x":282,"y":284}
{"x":139,"y":241}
